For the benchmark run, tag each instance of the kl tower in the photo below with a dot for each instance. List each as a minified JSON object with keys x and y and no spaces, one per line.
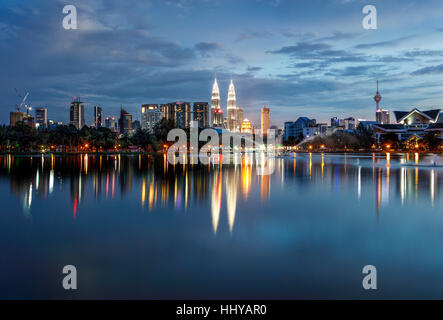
{"x":381,"y":116}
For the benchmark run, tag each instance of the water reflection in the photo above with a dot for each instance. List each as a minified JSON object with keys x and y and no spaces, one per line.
{"x":158,"y":185}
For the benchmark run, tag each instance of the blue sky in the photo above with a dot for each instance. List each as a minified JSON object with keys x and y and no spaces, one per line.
{"x":300,"y":58}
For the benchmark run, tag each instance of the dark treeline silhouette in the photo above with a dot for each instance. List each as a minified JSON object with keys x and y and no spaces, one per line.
{"x":62,"y":138}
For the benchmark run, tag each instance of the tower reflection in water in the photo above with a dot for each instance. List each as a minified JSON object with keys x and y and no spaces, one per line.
{"x":220,"y":187}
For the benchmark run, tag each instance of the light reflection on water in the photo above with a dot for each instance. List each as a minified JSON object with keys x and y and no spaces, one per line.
{"x":315,"y":211}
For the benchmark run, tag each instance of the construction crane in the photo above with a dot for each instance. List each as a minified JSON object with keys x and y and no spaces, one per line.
{"x":23,"y":103}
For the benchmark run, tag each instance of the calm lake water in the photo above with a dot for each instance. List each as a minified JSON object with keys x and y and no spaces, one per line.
{"x":136,"y":227}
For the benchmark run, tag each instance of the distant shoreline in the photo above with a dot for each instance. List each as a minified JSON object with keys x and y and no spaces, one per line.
{"x":161,"y":153}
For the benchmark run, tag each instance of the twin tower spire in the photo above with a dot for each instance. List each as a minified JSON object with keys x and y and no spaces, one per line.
{"x":216,"y":110}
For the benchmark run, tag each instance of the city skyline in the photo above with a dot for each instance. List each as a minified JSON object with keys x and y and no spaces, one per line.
{"x":317,"y":65}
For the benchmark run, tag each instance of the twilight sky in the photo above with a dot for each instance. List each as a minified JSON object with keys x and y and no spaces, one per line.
{"x":301,"y":58}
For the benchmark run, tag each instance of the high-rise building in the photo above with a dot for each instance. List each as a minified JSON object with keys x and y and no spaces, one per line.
{"x":216,"y":110}
{"x":232,"y":109}
{"x":41,"y":116}
{"x":238,"y":119}
{"x":182,"y":114}
{"x":15,"y":116}
{"x":178,"y":112}
{"x":201,"y":114}
{"x":19,"y":116}
{"x":136,"y":125}
{"x":125,"y":121}
{"x":167,"y":110}
{"x":151,"y":115}
{"x":246,"y":126}
{"x":77,"y":113}
{"x":98,"y":117}
{"x":111,"y":123}
{"x":381,"y":116}
{"x":265,"y":120}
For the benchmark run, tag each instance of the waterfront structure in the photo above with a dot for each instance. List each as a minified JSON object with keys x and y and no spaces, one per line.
{"x":381,"y":116}
{"x":98,"y":117}
{"x":77,"y":113}
{"x":41,"y":117}
{"x":111,"y":123}
{"x":125,"y":121}
{"x":265,"y":120}
{"x":246,"y":126}
{"x":216,"y":110}
{"x":295,"y":129}
{"x":232,"y":109}
{"x":414,"y":123}
{"x":201,"y":114}
{"x":151,"y":115}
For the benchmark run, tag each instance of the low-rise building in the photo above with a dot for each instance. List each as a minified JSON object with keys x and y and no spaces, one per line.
{"x":295,"y":128}
{"x":409,"y":124}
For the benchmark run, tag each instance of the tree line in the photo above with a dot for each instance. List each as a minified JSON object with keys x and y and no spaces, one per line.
{"x":67,"y":138}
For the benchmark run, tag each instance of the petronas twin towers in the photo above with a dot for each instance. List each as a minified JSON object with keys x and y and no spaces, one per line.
{"x":235,"y":114}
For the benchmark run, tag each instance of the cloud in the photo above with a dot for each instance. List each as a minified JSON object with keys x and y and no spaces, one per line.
{"x":388,"y":43}
{"x":352,"y":71}
{"x":301,"y":49}
{"x":424,"y":53}
{"x":337,"y":36}
{"x":252,"y":35}
{"x":429,"y":70}
{"x":254,"y":69}
{"x":205,"y":48}
{"x":234,"y":59}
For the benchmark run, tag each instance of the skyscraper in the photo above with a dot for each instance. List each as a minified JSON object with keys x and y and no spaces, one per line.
{"x":111,"y":123}
{"x":201,"y":114}
{"x":178,"y":112}
{"x":98,"y":117}
{"x":151,"y":115}
{"x":77,"y":113}
{"x":381,"y":116}
{"x":216,"y":110}
{"x":41,"y":116}
{"x":238,"y":119}
{"x":182,"y":114}
{"x":125,"y":121}
{"x":246,"y":126}
{"x":232,"y":108}
{"x":167,"y":110}
{"x":265,"y":120}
